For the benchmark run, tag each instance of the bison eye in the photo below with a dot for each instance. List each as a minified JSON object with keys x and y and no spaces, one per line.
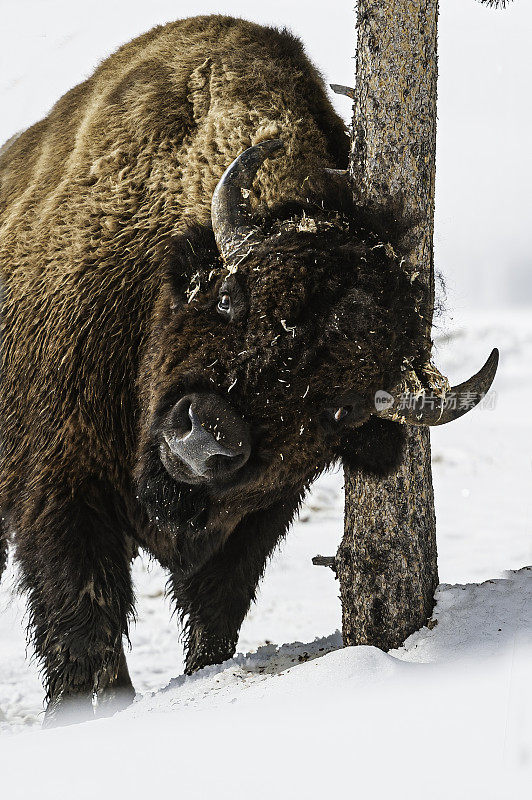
{"x":224,"y":305}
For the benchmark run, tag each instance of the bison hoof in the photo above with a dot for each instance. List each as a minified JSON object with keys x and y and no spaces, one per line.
{"x":208,"y":651}
{"x":113,"y":700}
{"x":68,"y":710}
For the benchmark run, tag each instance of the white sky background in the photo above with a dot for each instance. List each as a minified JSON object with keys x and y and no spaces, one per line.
{"x":484,"y":168}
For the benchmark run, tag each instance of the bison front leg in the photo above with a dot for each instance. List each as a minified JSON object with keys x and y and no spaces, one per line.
{"x":74,"y":558}
{"x":215,"y":599}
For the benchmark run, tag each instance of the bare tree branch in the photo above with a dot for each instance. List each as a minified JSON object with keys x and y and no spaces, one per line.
{"x":325,"y":561}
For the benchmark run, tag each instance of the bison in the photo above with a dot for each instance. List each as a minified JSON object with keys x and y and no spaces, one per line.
{"x":184,"y":351}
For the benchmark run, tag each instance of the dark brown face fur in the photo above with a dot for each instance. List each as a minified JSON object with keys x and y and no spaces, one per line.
{"x":319,"y":317}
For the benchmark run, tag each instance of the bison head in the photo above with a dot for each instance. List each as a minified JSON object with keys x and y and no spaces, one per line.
{"x":270,"y":338}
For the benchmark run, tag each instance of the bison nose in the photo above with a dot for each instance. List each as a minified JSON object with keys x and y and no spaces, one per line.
{"x":208,"y":436}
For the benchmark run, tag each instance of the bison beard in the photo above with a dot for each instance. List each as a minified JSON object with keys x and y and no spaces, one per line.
{"x":156,"y":394}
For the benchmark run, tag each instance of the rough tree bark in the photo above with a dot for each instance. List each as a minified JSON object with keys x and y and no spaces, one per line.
{"x":386,"y":563}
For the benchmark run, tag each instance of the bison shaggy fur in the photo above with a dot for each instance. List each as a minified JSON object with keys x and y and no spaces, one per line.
{"x":111,"y":280}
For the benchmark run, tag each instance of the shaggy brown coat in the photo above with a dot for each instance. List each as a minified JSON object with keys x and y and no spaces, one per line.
{"x":104,"y":204}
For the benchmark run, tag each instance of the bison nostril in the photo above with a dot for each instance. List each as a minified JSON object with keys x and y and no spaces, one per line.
{"x":180,"y":421}
{"x":224,"y":463}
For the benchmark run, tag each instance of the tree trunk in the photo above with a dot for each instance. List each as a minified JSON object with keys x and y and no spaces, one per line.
{"x":386,"y":562}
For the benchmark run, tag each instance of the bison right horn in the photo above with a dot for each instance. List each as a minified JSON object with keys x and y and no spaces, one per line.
{"x":232,"y":216}
{"x":418,"y":409}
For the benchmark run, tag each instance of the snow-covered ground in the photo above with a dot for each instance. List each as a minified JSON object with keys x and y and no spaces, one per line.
{"x":448,"y":714}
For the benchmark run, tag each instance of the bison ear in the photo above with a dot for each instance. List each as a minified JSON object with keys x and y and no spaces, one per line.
{"x":376,"y":447}
{"x":187,"y":259}
{"x":199,"y":90}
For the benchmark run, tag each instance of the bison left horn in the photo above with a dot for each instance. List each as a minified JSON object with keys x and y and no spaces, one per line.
{"x":231,"y":212}
{"x":419,"y":409}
